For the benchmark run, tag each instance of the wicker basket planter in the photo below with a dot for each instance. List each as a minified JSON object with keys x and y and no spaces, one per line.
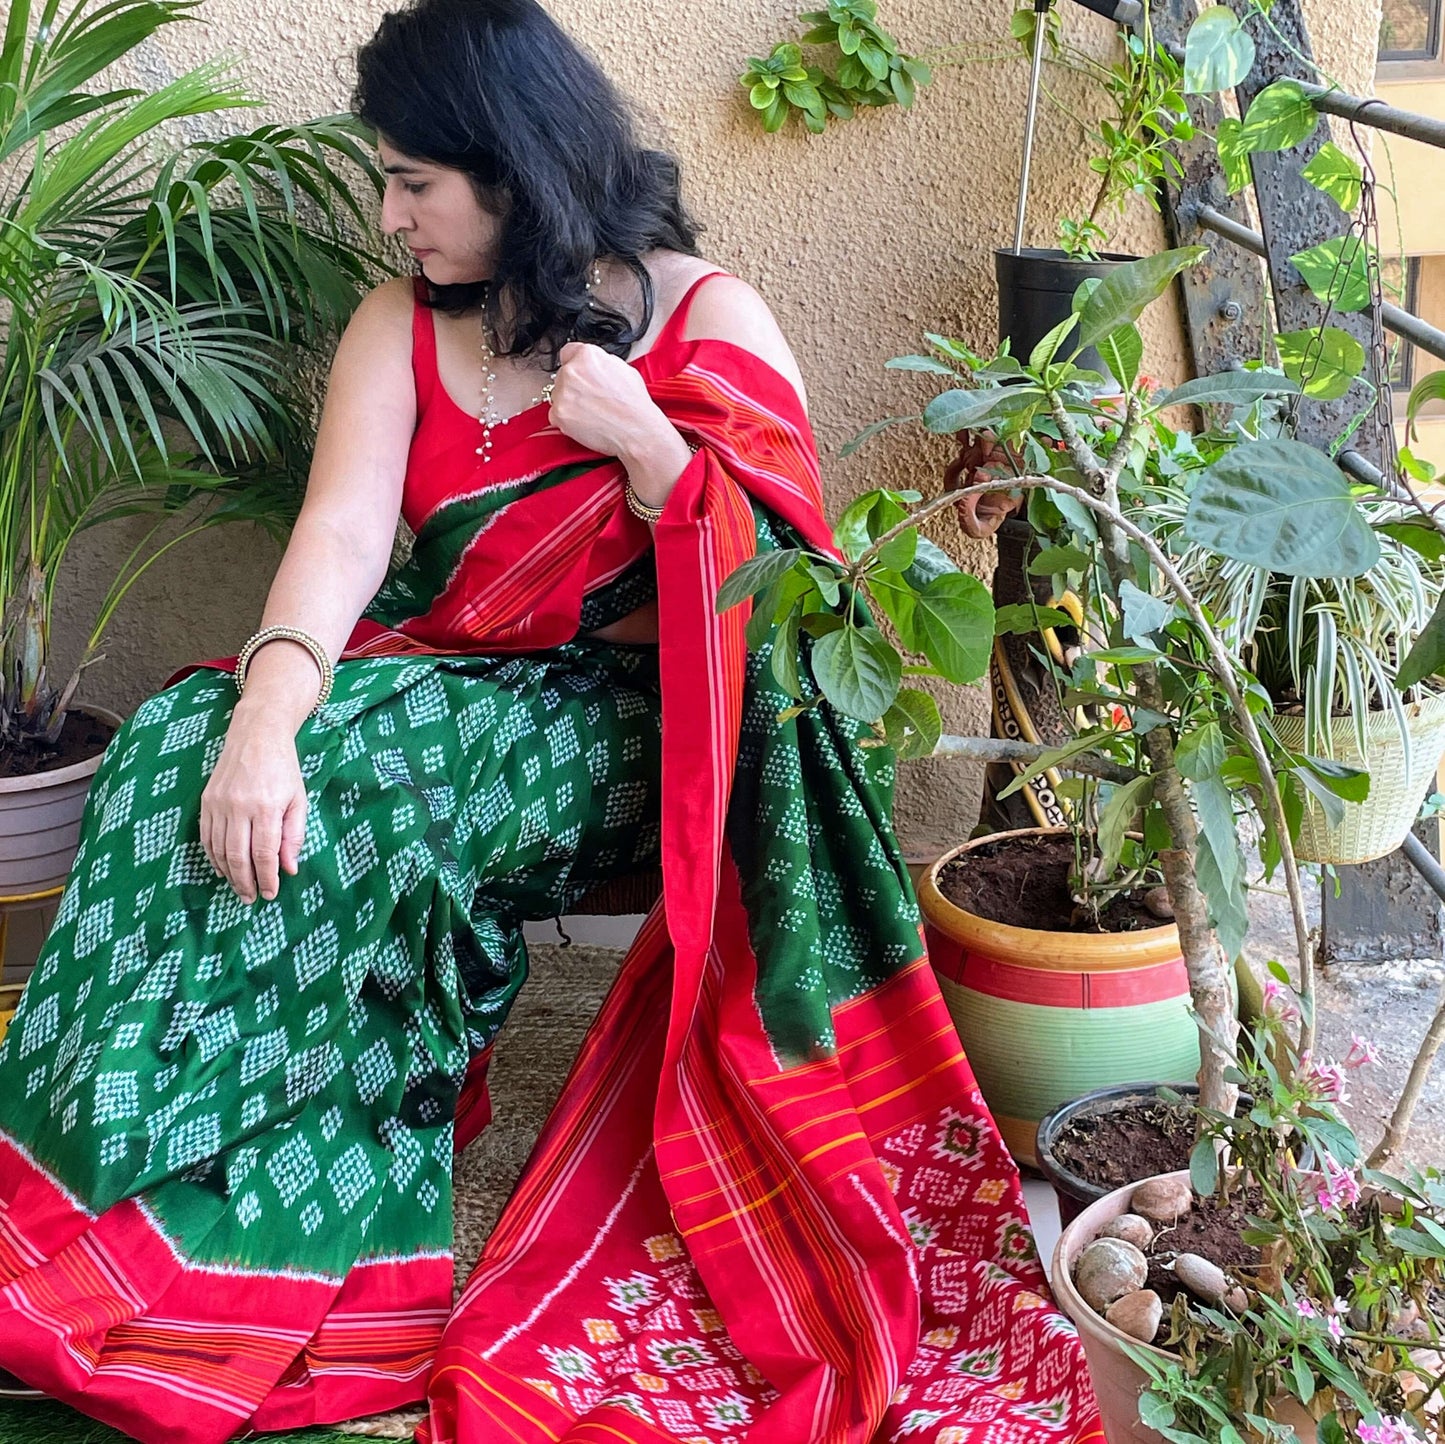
{"x":1377,"y":826}
{"x":1048,"y":1016}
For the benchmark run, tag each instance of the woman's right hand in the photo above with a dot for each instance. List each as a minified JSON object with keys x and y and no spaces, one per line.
{"x":253,"y":809}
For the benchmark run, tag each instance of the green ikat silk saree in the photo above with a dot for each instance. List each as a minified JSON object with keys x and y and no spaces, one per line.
{"x":770,"y":1206}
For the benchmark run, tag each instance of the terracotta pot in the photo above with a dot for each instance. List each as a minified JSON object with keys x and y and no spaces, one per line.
{"x":1048,"y":1016}
{"x":40,"y":822}
{"x":1118,"y":1380}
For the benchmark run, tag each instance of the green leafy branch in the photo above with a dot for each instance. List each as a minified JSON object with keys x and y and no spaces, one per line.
{"x":867,"y":69}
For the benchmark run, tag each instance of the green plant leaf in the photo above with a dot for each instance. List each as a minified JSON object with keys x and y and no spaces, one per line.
{"x":1330,"y":805}
{"x":1280,"y":117}
{"x":1430,"y":387}
{"x":1337,"y":271}
{"x":912,"y":725}
{"x":1051,"y":757}
{"x":1351,"y":783}
{"x":1233,"y":154}
{"x":1123,"y":353}
{"x":1281,"y":505}
{"x":1336,"y":174}
{"x":1120,"y":298}
{"x":1322,"y":361}
{"x":1204,"y":1167}
{"x":858,"y":671}
{"x":1054,"y":561}
{"x":1201,"y":752}
{"x":968,"y":410}
{"x":1229,"y":388}
{"x":784,"y":660}
{"x":898,"y":555}
{"x":1218,"y":52}
{"x":1021,"y":618}
{"x":891,"y":591}
{"x":1117,"y":817}
{"x":870,"y":431}
{"x":755,"y":575}
{"x":953,"y":625}
{"x":1417,"y":534}
{"x":919,"y":363}
{"x":1143,"y":613}
{"x":1126,"y":656}
{"x":1042,"y":356}
{"x":1427,"y":657}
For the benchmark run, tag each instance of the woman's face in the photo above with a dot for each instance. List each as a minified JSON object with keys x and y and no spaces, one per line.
{"x":436,"y":212}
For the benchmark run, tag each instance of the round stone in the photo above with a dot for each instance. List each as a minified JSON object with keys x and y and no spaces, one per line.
{"x":1137,"y":1314}
{"x":1236,"y":1300}
{"x":1157,"y":901}
{"x":1107,"y":1270}
{"x":1131,"y":1228}
{"x":1162,"y":1200}
{"x":1203,"y":1279}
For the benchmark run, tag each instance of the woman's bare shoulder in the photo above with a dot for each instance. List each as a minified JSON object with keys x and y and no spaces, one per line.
{"x":727,"y":308}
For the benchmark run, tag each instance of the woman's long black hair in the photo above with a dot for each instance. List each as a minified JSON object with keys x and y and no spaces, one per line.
{"x":497,"y":89}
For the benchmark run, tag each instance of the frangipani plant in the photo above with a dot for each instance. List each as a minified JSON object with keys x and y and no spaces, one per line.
{"x":156,"y":299}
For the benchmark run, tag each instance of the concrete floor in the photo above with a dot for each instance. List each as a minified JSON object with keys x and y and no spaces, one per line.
{"x":1391,"y":1004}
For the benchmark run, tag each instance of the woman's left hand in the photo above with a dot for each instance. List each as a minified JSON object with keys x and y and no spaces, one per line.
{"x":602,"y":403}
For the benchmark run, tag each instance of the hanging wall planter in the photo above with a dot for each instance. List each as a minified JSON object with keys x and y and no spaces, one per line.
{"x":1036,"y":291}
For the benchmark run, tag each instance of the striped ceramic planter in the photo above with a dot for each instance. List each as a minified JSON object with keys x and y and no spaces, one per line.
{"x":1047,"y":1016}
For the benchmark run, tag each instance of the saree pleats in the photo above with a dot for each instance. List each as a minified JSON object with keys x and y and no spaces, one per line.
{"x":226,"y":1131}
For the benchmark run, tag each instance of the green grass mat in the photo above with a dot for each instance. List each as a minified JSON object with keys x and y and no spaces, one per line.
{"x":22,"y":1422}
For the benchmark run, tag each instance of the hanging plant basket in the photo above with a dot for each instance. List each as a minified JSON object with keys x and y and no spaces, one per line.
{"x":1377,"y":826}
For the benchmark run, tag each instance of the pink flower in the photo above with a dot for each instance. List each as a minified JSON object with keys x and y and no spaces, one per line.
{"x":1339,"y":1189}
{"x":1306,"y":1307}
{"x":1279,"y":1000}
{"x":1362,"y":1051}
{"x":1324,"y":1082}
{"x":1390,"y":1430}
{"x":1336,"y":1329}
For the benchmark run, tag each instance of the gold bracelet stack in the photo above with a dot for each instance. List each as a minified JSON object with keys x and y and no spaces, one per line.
{"x":288,"y":634}
{"x":639,"y":508}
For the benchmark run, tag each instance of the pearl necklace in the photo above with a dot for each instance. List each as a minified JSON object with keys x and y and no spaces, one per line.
{"x":489,"y":418}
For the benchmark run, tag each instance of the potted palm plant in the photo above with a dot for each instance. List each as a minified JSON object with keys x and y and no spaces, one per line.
{"x":159,"y":298}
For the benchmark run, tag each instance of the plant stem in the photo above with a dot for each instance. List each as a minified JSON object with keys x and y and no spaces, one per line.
{"x":1399,"y":1124}
{"x":994,"y":749}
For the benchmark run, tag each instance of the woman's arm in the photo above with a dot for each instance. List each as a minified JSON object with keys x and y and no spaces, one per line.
{"x":253,"y":808}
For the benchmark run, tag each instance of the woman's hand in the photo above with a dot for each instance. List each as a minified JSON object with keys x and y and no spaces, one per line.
{"x":253,"y":810}
{"x":602,"y":403}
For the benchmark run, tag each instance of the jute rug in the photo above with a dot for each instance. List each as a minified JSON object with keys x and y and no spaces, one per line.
{"x":536,"y":1049}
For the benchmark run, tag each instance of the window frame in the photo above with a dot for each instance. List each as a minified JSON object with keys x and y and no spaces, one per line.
{"x":1431,"y":52}
{"x":1410,"y":302}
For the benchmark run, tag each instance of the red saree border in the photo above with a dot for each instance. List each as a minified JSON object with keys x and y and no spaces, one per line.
{"x":362,"y":1344}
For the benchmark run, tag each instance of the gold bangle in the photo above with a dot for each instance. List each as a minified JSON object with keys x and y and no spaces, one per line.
{"x":288,"y":634}
{"x":639,"y":508}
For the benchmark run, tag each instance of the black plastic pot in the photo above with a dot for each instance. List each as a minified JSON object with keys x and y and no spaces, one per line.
{"x":1075,"y":1194}
{"x":1036,"y":291}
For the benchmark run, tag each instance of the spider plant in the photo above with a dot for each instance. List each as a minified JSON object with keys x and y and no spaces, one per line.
{"x":157,"y":299}
{"x":1327,"y":646}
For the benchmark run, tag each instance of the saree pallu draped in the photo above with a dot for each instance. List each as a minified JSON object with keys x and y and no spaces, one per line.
{"x":770,"y":1205}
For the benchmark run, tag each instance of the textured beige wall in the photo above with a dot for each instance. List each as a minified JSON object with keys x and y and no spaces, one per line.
{"x":860,"y":240}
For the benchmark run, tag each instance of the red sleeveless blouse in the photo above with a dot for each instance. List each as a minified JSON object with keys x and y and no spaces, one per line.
{"x":443,"y":446}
